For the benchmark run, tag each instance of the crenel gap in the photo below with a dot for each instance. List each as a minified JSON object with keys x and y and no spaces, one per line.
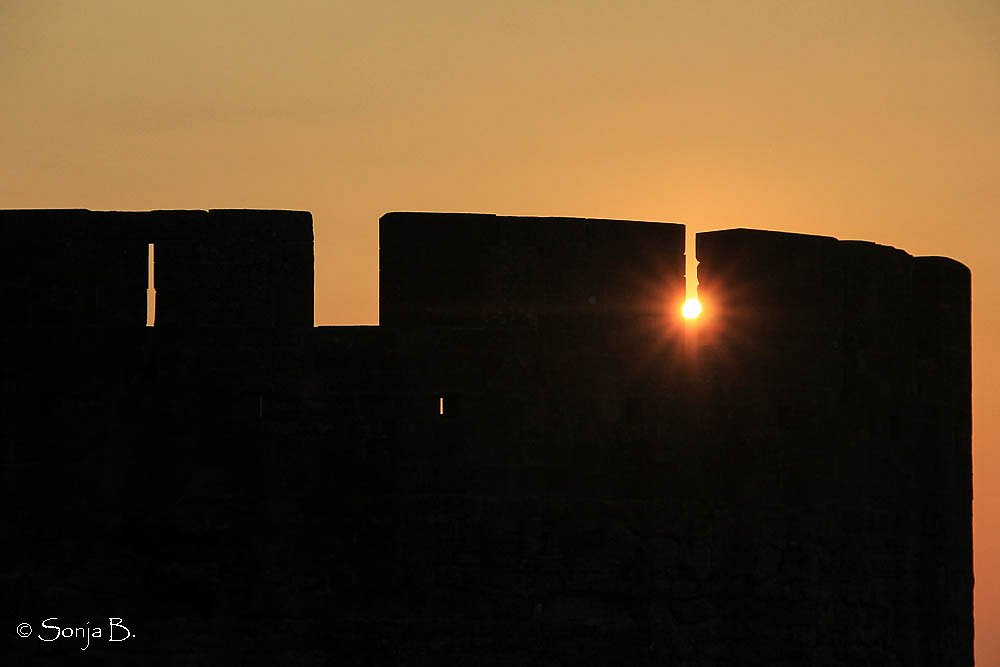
{"x":150,"y":287}
{"x":690,"y":264}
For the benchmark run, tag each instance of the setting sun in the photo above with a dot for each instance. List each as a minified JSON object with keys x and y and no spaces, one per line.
{"x":691,"y":309}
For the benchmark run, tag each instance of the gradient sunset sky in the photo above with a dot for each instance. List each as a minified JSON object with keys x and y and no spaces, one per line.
{"x":862,"y":120}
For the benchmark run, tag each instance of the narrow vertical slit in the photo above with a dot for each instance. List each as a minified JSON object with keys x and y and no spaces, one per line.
{"x":441,"y":405}
{"x":150,"y":288}
{"x":690,"y":265}
{"x":691,"y":309}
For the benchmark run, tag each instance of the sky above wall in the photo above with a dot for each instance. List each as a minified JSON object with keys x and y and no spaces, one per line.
{"x":874,"y":121}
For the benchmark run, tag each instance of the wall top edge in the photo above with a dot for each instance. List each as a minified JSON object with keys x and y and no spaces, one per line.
{"x":455,"y":216}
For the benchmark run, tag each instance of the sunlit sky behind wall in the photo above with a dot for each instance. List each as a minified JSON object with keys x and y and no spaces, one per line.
{"x":869,"y":120}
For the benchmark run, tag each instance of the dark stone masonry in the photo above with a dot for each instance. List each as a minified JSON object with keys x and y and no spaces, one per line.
{"x":532,"y":460}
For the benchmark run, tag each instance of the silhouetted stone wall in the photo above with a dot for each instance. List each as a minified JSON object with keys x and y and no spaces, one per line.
{"x":498,"y":475}
{"x":236,"y":268}
{"x":61,"y":268}
{"x":474,"y":270}
{"x":213,"y":268}
{"x":830,"y":358}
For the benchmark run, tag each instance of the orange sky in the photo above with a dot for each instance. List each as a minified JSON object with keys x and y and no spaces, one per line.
{"x":869,"y":120}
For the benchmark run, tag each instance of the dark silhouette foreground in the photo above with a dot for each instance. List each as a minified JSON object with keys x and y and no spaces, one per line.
{"x":532,"y":460}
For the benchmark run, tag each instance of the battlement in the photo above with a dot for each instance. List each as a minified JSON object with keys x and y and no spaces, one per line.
{"x":531,"y":458}
{"x":458,"y":269}
{"x":239,"y":268}
{"x":769,"y":295}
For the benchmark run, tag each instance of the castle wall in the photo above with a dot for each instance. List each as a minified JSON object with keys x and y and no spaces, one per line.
{"x":443,"y":269}
{"x":834,"y":340}
{"x":61,"y":268}
{"x":785,"y":481}
{"x":213,"y":268}
{"x":235,"y":268}
{"x":944,"y":426}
